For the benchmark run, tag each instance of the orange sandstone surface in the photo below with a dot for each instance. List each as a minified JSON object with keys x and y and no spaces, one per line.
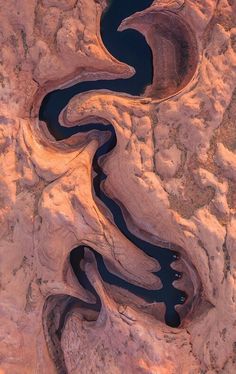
{"x":175,"y":153}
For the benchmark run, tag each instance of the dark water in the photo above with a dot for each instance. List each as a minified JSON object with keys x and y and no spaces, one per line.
{"x":129,"y":47}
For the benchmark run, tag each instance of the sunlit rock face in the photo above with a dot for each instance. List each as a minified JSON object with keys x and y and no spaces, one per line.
{"x":172,"y":171}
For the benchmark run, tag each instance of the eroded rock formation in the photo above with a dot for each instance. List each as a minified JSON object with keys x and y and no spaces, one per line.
{"x":173,"y":172}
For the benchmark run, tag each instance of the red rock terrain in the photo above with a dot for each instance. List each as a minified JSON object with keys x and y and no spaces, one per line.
{"x":175,"y":153}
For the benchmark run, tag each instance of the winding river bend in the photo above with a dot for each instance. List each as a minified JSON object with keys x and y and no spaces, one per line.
{"x":131,"y":48}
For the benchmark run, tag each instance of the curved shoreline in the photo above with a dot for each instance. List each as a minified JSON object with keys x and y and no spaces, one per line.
{"x":171,"y":295}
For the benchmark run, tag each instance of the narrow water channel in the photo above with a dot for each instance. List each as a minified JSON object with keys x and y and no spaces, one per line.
{"x":129,"y":47}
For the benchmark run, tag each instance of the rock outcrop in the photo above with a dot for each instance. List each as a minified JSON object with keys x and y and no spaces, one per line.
{"x":173,"y":169}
